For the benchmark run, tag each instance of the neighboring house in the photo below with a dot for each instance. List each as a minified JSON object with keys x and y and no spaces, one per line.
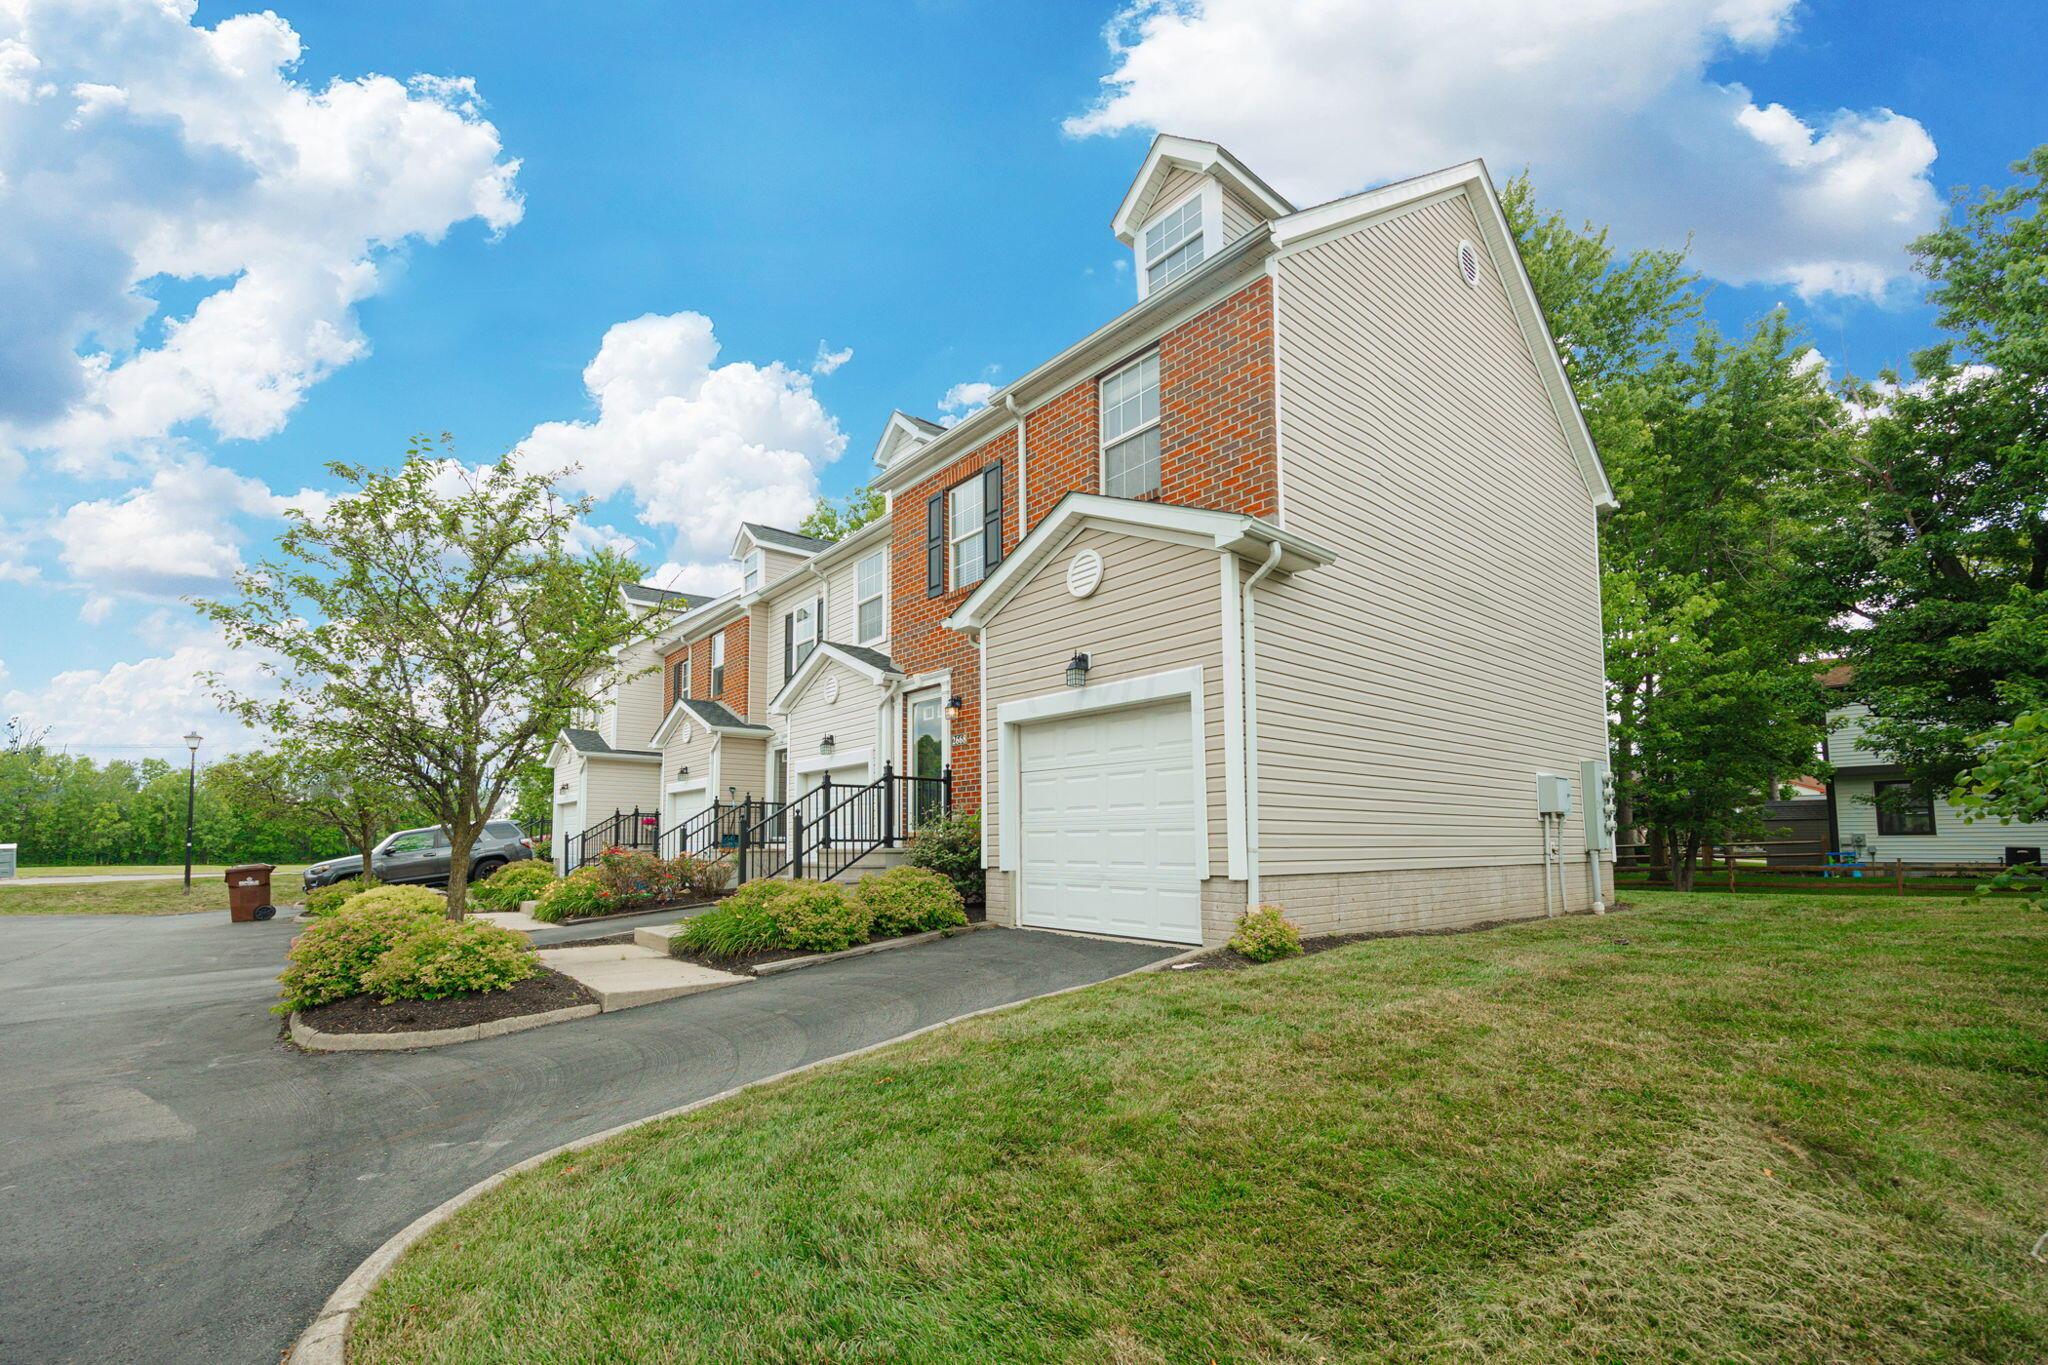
{"x":1875,"y":811}
{"x":605,"y":761}
{"x":1281,"y":587}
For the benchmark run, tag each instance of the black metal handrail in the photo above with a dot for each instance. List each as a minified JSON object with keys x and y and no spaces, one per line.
{"x":636,"y":829}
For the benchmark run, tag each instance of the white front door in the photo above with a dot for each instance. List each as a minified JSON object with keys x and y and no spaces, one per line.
{"x":1108,"y":824}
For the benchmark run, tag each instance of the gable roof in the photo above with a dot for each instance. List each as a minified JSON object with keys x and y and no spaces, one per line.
{"x":591,"y":744}
{"x":876,"y":666}
{"x":715,"y":717}
{"x":647,"y":595}
{"x":904,"y":431}
{"x":1225,"y":532}
{"x":780,"y":539}
{"x":1170,"y":153}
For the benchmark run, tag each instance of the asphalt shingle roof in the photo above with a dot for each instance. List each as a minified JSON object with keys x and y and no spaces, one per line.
{"x":873,"y":658}
{"x":648,"y":595}
{"x":716,"y":713}
{"x":788,"y":540}
{"x":591,"y":742}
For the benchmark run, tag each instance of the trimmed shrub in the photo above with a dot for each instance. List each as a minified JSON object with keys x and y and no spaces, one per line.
{"x":818,"y":917}
{"x":1263,"y":936}
{"x":419,"y":899}
{"x":328,"y":960}
{"x":626,"y":879}
{"x":951,"y":846}
{"x":909,"y":900}
{"x":512,"y":885}
{"x":709,"y":880}
{"x":328,"y":899}
{"x":447,"y":958}
{"x":573,"y":897}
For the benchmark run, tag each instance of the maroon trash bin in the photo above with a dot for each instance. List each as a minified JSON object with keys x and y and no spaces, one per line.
{"x":249,"y":892}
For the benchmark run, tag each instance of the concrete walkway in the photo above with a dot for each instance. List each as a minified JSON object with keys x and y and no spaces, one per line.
{"x":176,"y":1184}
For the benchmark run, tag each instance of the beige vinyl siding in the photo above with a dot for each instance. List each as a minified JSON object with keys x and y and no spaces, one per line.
{"x":689,"y":746}
{"x":777,"y":565}
{"x":1409,"y":694}
{"x":743,"y":764}
{"x":1953,"y":841}
{"x":1179,"y":182}
{"x":612,"y":784}
{"x":1238,"y":218}
{"x":1159,"y":608}
{"x":1846,"y":745}
{"x":636,"y":707}
{"x":851,"y":721}
{"x":842,"y":600}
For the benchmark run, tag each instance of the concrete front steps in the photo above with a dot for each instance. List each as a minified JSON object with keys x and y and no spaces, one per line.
{"x":622,"y":975}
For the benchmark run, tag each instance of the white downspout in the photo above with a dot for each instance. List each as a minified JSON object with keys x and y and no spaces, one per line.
{"x":1023,"y":498}
{"x":1251,"y":730}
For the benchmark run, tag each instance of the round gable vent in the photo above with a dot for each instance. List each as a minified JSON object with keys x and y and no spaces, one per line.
{"x":1468,"y":264}
{"x":1084,"y":573}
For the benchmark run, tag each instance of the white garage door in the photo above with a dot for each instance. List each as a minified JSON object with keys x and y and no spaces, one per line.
{"x":1107,"y":819}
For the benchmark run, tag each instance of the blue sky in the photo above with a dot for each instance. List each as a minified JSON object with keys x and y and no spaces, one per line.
{"x":929,"y":185}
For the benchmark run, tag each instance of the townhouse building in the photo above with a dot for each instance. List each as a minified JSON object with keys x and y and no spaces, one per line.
{"x":1280,"y":587}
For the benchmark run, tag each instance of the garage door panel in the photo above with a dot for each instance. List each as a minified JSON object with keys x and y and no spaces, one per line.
{"x":1108,"y":824}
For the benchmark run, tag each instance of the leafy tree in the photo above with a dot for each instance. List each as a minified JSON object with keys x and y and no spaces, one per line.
{"x":2009,"y":783}
{"x":1951,"y":561}
{"x":1712,"y":590}
{"x":300,"y":781}
{"x":836,"y":519}
{"x":435,"y":622}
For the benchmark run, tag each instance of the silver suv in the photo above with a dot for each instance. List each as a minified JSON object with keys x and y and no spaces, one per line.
{"x":421,"y":856}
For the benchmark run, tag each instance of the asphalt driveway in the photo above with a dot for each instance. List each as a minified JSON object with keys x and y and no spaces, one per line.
{"x":176,"y":1184}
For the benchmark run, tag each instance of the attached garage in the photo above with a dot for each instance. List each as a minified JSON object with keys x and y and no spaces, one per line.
{"x":1109,"y":824}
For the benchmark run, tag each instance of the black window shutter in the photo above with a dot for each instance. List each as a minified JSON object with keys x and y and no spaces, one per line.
{"x":935,"y":545}
{"x":992,"y":516}
{"x":788,"y":645}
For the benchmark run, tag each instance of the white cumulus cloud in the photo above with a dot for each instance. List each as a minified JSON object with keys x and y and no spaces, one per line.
{"x":176,"y":534}
{"x":699,"y":446}
{"x":139,"y":147}
{"x":829,"y":360}
{"x":135,"y":707}
{"x":1610,"y":105}
{"x":965,"y":399}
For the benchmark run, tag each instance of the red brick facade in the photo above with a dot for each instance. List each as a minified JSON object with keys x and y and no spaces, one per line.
{"x":669,"y":691}
{"x":738,"y":664}
{"x":1217,"y":450}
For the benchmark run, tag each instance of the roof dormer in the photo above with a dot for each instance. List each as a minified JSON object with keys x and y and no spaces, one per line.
{"x":767,"y":553}
{"x":1189,"y":201}
{"x":902,"y":435}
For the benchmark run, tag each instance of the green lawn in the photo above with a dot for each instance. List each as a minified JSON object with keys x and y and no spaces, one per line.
{"x":138,"y":897}
{"x":1704,"y":1128}
{"x":131,"y":870}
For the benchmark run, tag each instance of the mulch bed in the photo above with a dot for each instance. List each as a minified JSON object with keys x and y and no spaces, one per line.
{"x":364,"y":1014}
{"x":744,"y":965}
{"x":1228,"y":959}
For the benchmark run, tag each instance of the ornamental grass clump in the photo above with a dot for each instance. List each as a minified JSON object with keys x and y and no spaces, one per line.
{"x":451,"y":957}
{"x":909,"y":900}
{"x":1264,"y":936}
{"x":512,"y":885}
{"x":574,"y":897}
{"x":330,"y":898}
{"x":764,"y":916}
{"x":329,"y":959}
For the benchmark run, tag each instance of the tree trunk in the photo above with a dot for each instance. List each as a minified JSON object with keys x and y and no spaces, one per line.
{"x":1685,"y":857}
{"x":461,"y":839}
{"x":1660,"y":857}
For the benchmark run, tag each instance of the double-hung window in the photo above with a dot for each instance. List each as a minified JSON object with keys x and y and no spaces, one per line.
{"x":679,"y":687}
{"x":803,"y":634}
{"x":718,"y":665}
{"x":1903,"y":810}
{"x":869,"y":582}
{"x":1173,"y":245}
{"x":750,"y":573}
{"x":964,"y":533}
{"x":1130,"y":429}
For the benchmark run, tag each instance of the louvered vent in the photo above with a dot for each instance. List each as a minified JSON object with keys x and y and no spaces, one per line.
{"x":1468,"y":264}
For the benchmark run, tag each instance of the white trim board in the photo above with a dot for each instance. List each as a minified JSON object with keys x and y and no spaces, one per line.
{"x":838,"y":758}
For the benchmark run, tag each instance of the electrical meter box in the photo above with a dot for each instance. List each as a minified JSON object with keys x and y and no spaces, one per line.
{"x":1553,"y":794}
{"x":1597,"y":782}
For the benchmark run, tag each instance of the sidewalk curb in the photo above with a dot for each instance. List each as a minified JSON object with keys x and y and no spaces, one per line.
{"x":325,"y":1340}
{"x":792,"y":964}
{"x":313,"y":1040}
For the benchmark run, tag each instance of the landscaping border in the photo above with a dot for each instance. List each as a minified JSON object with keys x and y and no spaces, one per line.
{"x":313,"y":1040}
{"x":880,"y":945}
{"x":325,"y":1340}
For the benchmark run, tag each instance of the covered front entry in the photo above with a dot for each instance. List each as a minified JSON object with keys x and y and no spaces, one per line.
{"x":1109,"y":825}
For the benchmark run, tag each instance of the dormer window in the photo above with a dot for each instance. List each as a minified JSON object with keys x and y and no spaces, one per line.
{"x":1173,"y":244}
{"x":750,"y":573}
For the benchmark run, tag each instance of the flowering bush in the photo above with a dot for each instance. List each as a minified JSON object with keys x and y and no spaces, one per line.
{"x":449,"y":957}
{"x":573,"y":897}
{"x":909,"y":900}
{"x":709,"y":880}
{"x":627,"y":878}
{"x":512,"y":885}
{"x":329,"y":959}
{"x":419,"y":899}
{"x":1263,"y":936}
{"x":328,"y":899}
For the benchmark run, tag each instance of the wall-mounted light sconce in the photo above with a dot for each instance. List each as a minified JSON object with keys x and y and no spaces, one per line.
{"x":682,"y":772}
{"x":1077,"y":670}
{"x":825,"y":744}
{"x":732,"y":793}
{"x":955,"y":704}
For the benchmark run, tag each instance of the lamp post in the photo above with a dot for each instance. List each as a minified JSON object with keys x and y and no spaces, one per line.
{"x":191,"y":789}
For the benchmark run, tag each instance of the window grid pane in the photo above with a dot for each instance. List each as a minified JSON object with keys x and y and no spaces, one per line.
{"x":1175,"y":228}
{"x":871,"y":620}
{"x":1131,"y":468}
{"x":1130,"y":399}
{"x":965,"y":511}
{"x":1171,"y":267}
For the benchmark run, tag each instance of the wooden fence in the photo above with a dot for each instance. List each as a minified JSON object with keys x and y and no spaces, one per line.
{"x":1780,"y":863}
